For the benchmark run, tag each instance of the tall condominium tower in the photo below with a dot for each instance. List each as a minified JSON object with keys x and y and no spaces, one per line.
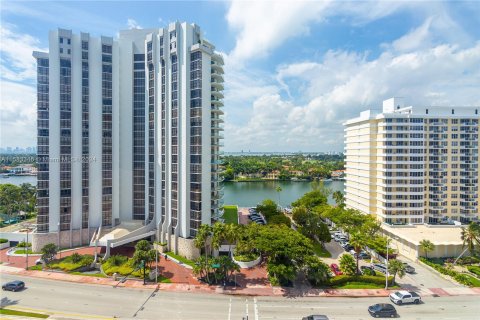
{"x":414,"y":165}
{"x":129,"y":134}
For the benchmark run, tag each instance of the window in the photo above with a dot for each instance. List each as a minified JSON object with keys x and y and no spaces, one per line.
{"x":61,"y":50}
{"x":61,"y":40}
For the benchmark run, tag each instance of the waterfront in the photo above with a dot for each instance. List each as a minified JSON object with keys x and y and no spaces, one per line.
{"x":249,"y":194}
{"x":18,"y":180}
{"x":243,"y":194}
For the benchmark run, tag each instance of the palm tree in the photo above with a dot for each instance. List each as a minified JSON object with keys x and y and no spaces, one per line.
{"x":218,"y":235}
{"x":278,"y":189}
{"x":358,"y":241}
{"x":471,"y":237}
{"x":231,"y":235}
{"x":201,"y":239}
{"x":427,"y":246}
{"x":396,"y":267}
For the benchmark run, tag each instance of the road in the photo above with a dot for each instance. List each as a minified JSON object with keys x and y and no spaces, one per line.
{"x":70,"y":300}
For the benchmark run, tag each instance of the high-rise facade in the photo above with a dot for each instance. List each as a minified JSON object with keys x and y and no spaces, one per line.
{"x":129,"y":129}
{"x":414,"y":165}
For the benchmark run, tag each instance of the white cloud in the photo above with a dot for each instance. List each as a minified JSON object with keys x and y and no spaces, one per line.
{"x":16,"y":61}
{"x":132,"y":24}
{"x":342,"y":84}
{"x":17,"y":114}
{"x":264,"y":25}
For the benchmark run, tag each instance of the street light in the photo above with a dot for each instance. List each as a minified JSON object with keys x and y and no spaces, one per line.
{"x":26,"y":259}
{"x":386,"y":272}
{"x":59,"y":252}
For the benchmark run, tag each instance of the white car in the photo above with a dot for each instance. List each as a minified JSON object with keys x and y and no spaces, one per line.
{"x":401,"y":297}
{"x":39,"y":261}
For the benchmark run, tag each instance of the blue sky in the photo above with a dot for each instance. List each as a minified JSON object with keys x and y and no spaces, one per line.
{"x":295,"y":71}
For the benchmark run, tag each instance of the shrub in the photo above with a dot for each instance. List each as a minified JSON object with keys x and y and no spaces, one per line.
{"x":368,"y":272}
{"x":75,"y":257}
{"x":460,"y":278}
{"x":348,"y":265}
{"x":2,"y":240}
{"x":343,"y":279}
{"x":116,"y":260}
{"x":24,"y":244}
{"x":246,"y":257}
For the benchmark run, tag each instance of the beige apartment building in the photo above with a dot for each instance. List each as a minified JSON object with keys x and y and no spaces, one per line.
{"x":414,"y":165}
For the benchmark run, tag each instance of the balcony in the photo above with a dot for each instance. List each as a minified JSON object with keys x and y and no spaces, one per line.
{"x":217,"y":85}
{"x":217,"y":77}
{"x":217,"y":95}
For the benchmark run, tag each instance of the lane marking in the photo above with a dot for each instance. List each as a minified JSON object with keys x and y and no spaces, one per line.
{"x":246,"y":301}
{"x":230,"y":309}
{"x":255,"y":308}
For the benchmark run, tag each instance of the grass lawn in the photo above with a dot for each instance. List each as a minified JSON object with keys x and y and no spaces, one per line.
{"x":320,"y":251}
{"x":230,"y":214}
{"x":23,"y":314}
{"x":180,"y":258}
{"x":475,"y":281}
{"x":23,"y":251}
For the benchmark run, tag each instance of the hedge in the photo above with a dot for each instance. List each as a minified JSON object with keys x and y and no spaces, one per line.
{"x":24,"y":244}
{"x":343,"y":279}
{"x":460,"y":278}
{"x":2,"y":240}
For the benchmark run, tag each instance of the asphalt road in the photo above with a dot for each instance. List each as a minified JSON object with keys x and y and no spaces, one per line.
{"x":70,"y":300}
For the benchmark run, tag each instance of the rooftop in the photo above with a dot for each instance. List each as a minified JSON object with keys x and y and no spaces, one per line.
{"x":438,"y":235}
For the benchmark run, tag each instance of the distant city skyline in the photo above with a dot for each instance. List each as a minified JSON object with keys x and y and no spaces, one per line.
{"x":294,"y":70}
{"x":17,"y":149}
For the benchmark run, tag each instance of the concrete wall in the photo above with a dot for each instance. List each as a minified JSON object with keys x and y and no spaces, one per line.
{"x":183,"y":247}
{"x":67,"y":239}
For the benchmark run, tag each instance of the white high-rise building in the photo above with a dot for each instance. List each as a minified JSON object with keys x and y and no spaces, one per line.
{"x":414,"y":165}
{"x":129,"y":137}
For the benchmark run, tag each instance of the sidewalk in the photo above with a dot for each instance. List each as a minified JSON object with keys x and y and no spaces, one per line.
{"x":250,"y":290}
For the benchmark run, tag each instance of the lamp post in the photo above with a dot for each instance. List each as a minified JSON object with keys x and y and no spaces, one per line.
{"x":386,"y":272}
{"x":59,"y":252}
{"x":26,"y":259}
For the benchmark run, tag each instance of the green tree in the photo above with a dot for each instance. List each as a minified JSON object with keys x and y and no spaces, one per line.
{"x":358,"y":241}
{"x":347,"y":265}
{"x":471,"y":237}
{"x":268,"y":208}
{"x":396,"y":267}
{"x":218,"y":235}
{"x":201,"y":241}
{"x":317,"y":272}
{"x":231,"y":235}
{"x":339,"y":198}
{"x":278,"y":189}
{"x":427,"y":246}
{"x":228,"y":174}
{"x":323,"y":234}
{"x":300,"y":215}
{"x":10,"y":199}
{"x":311,"y":199}
{"x":280,"y":219}
{"x":49,"y":251}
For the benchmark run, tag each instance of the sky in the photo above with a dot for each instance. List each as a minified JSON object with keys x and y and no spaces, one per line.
{"x":294,"y":70}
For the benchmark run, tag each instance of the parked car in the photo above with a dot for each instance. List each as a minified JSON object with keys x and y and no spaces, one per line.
{"x":408,"y":268}
{"x":13,"y":286}
{"x":382,"y":310}
{"x":348,"y":247}
{"x":39,"y":261}
{"x":362,"y":255}
{"x":316,"y":317}
{"x":335,"y":269}
{"x":401,"y":297}
{"x":368,"y":271}
{"x":343,"y":244}
{"x":379,"y":267}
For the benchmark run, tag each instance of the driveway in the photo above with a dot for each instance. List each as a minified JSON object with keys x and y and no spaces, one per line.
{"x":425,"y":278}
